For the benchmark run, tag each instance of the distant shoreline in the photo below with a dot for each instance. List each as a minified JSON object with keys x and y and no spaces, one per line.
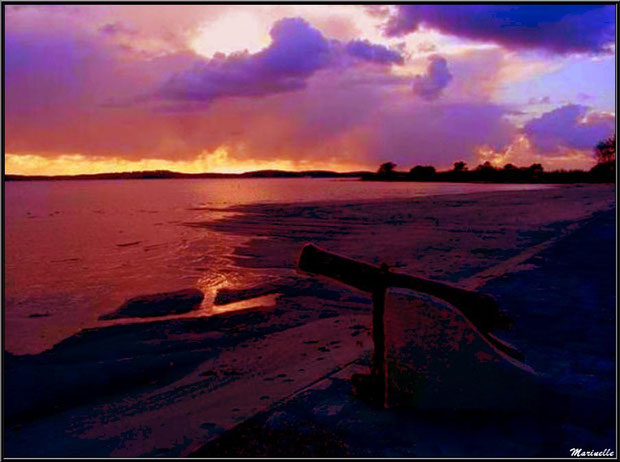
{"x":167,"y":174}
{"x":440,"y":177}
{"x":486,"y":173}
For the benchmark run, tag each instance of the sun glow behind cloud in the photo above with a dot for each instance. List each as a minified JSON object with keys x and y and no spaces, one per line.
{"x":235,"y":31}
{"x":521,"y":152}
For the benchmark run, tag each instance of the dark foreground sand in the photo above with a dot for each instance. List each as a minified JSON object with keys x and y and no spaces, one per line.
{"x":273,"y":380}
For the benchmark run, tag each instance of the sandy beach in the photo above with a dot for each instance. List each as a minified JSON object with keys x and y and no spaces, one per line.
{"x":275,"y":363}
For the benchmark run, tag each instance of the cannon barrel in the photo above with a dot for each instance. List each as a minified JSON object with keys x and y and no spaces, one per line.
{"x":481,"y":309}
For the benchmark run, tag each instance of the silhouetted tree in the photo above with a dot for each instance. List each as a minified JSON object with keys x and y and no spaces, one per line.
{"x":602,"y":172}
{"x":460,"y":166}
{"x":386,"y":169}
{"x":535,"y":169}
{"x":486,"y":167}
{"x":605,"y":151}
{"x":486,"y":172}
{"x":421,"y":172}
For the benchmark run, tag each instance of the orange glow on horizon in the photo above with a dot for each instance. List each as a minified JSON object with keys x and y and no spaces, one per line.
{"x":217,"y":161}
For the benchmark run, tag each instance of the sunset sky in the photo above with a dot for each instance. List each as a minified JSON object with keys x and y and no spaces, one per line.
{"x":230,"y":88}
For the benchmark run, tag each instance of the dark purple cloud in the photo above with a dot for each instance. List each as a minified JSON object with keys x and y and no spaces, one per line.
{"x":297,"y":51}
{"x":364,"y":50}
{"x":430,"y":85}
{"x":557,"y":28}
{"x":567,"y":127}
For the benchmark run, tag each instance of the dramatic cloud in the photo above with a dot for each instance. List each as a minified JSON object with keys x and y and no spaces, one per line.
{"x":367,"y":51}
{"x":569,"y":126}
{"x":437,"y":77}
{"x":296,"y":52}
{"x":556,"y":28}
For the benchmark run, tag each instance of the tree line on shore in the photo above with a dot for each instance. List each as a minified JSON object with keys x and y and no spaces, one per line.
{"x":603,"y":172}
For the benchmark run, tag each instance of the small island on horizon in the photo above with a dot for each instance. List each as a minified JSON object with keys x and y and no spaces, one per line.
{"x":167,"y":174}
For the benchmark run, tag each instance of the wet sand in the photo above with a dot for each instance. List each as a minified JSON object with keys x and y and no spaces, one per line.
{"x":166,"y":388}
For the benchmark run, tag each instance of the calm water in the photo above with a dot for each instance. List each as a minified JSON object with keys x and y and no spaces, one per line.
{"x":78,"y":249}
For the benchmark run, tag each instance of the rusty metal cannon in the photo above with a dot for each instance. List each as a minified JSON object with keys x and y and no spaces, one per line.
{"x":481,"y":311}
